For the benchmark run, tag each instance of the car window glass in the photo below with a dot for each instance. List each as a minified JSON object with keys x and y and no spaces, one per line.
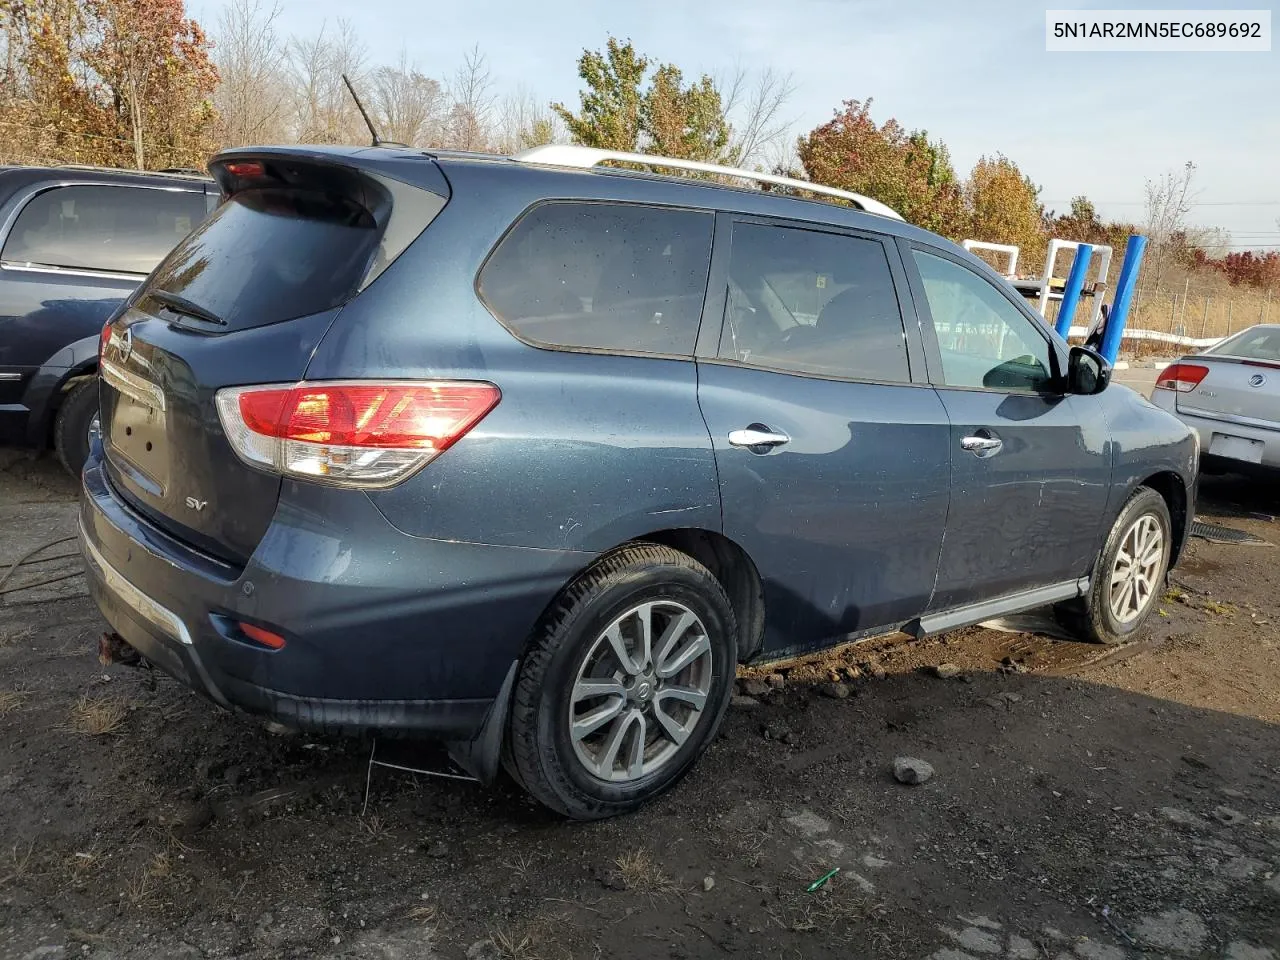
{"x":618,"y":277}
{"x":810,"y":302}
{"x":111,"y":228}
{"x":985,"y":340}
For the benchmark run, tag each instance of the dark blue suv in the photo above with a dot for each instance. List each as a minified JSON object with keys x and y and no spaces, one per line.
{"x":74,"y":242}
{"x":528,"y":454}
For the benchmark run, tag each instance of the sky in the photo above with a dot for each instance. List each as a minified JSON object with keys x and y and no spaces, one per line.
{"x":971,"y":72}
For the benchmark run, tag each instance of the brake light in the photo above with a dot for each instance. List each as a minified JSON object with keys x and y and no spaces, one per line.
{"x":103,"y":339}
{"x":1182,"y":377}
{"x":353,"y":433}
{"x":244,"y":168}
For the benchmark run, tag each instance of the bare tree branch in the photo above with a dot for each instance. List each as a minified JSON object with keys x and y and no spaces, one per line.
{"x":253,"y":93}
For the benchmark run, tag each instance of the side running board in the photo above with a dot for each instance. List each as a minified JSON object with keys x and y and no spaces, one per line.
{"x":985,"y":610}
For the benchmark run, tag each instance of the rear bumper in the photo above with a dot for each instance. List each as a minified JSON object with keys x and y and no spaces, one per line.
{"x":384,"y":632}
{"x":1217,"y":436}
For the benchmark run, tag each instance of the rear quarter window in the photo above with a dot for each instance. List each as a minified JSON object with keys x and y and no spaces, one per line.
{"x":622,"y":278}
{"x":116,"y":229}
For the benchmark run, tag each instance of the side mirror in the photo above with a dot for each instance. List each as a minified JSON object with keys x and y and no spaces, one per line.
{"x":1087,"y":372}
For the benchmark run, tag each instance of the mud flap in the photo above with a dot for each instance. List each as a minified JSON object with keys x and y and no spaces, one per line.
{"x":482,"y":754}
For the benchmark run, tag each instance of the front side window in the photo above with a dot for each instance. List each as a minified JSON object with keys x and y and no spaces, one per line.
{"x":817,"y":303}
{"x":986,"y":342}
{"x":603,"y":276}
{"x":110,"y":228}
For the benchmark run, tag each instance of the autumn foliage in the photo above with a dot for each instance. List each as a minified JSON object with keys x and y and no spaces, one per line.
{"x":114,"y":82}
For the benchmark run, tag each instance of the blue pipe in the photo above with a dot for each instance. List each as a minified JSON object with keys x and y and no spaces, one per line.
{"x":1071,"y":295}
{"x":1119,"y":314}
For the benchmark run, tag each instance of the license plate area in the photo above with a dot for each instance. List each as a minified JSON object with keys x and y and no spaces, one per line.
{"x":138,"y":431}
{"x":1236,"y":448}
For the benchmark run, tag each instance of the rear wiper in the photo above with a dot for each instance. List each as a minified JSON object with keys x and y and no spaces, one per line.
{"x":180,"y":304}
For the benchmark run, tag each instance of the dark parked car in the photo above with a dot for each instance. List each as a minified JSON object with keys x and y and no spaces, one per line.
{"x":528,"y":455}
{"x":74,"y":242}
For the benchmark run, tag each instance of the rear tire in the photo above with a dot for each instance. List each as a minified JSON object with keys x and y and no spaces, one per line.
{"x":71,"y":428}
{"x":588,"y":684}
{"x":1129,"y":577}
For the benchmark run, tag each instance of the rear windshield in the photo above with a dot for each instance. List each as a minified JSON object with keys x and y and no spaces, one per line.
{"x":269,"y":255}
{"x":1262,"y":343}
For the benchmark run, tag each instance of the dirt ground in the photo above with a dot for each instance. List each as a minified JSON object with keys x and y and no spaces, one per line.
{"x":1088,"y":803}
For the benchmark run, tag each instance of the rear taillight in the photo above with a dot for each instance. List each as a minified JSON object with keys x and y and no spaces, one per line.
{"x":359,"y":433}
{"x":1182,"y":377}
{"x":103,"y":339}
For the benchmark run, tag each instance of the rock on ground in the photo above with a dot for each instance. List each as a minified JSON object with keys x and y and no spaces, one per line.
{"x":911,"y":770}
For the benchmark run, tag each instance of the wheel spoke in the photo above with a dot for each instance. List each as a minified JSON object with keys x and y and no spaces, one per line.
{"x":695,"y":698}
{"x":645,"y":654}
{"x":671,"y":636}
{"x":613,"y":743}
{"x":619,"y":645}
{"x":696,"y":648}
{"x":589,"y":687}
{"x":676,"y":732}
{"x":586,"y":725}
{"x":635,"y":764}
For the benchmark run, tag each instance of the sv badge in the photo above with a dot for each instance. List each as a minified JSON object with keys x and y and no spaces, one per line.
{"x":196,"y":505}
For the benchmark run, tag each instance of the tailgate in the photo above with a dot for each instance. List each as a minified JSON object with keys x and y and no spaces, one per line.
{"x":244,"y":300}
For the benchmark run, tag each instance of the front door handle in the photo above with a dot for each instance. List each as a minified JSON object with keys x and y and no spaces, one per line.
{"x":757,"y":438}
{"x":982,"y":446}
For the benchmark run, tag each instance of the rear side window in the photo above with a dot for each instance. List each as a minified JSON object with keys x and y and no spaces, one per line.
{"x":270,"y":255}
{"x":616,"y":277}
{"x":803,"y":301}
{"x":110,"y":228}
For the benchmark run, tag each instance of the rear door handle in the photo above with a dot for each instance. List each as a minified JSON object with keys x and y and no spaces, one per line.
{"x":982,"y":446}
{"x":757,"y":438}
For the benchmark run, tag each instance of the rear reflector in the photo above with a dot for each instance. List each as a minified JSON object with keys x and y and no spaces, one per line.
{"x":264,"y":637}
{"x":359,"y":433}
{"x":1182,"y":377}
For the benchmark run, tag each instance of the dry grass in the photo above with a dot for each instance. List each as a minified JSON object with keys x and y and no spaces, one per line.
{"x":426,"y":914}
{"x":144,"y":889}
{"x":17,"y":865}
{"x":98,"y":716}
{"x":10,"y":637}
{"x":642,"y":874}
{"x":11,"y":700}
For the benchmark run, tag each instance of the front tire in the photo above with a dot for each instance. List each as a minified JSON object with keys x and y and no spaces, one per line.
{"x":624,"y":685}
{"x":71,"y":428}
{"x":1129,"y":576}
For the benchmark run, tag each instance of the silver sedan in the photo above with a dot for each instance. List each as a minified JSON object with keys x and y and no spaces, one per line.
{"x":1230,"y":395}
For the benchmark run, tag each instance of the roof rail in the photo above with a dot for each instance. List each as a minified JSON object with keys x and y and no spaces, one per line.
{"x":584,"y":158}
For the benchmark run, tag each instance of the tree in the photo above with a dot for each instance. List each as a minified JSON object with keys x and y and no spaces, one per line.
{"x":253,"y":89}
{"x":1004,"y":207}
{"x":609,"y":116}
{"x":754,"y":108}
{"x":106,"y":81}
{"x":323,"y":111}
{"x":680,"y":121}
{"x":617,"y":112}
{"x":408,"y":106}
{"x":906,"y":170}
{"x":1169,"y":200}
{"x":471,"y":93}
{"x":155,"y":62}
{"x":525,"y":122}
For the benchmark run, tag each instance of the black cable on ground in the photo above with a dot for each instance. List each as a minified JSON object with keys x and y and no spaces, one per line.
{"x":27,"y":556}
